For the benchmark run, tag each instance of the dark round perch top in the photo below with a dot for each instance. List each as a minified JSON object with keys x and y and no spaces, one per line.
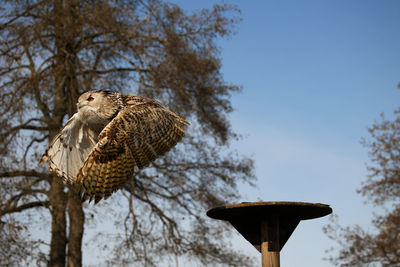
{"x":294,"y":210}
{"x":250,"y":218}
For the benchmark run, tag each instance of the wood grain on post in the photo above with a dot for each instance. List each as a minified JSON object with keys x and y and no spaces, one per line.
{"x":270,"y":246}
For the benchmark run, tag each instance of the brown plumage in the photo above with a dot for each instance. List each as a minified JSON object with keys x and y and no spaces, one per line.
{"x":110,"y":137}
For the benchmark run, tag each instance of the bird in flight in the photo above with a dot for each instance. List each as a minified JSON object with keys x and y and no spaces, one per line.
{"x":109,"y":138}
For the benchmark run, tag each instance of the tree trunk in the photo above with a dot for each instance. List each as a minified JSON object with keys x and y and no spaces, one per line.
{"x":57,"y":196}
{"x":66,"y":31}
{"x":76,"y":223}
{"x":58,"y":201}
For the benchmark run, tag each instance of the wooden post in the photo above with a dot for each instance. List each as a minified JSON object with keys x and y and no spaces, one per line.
{"x":268,"y":225}
{"x":270,"y":242}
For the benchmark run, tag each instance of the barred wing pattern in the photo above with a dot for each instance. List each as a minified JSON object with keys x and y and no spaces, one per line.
{"x":132,"y":140}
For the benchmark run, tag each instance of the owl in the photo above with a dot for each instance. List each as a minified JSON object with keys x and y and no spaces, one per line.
{"x":109,"y":138}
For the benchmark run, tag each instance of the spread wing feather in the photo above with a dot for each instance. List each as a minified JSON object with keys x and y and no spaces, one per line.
{"x":132,"y":140}
{"x":69,"y":149}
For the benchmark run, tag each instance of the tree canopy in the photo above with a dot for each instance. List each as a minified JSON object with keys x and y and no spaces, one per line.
{"x":51,"y":51}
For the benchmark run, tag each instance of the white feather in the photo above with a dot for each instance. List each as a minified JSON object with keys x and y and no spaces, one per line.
{"x":70,"y":148}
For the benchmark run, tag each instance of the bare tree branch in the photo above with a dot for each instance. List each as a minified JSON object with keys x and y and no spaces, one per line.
{"x":29,"y":173}
{"x":24,"y":207}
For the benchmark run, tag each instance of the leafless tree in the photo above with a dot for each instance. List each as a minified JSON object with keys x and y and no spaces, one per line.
{"x":53,"y":50}
{"x":381,"y":246}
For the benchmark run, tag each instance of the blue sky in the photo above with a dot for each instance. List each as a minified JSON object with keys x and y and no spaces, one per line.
{"x":315,"y":75}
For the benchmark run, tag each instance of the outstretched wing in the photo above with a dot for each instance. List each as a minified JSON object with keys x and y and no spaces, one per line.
{"x":69,"y":149}
{"x":132,"y":140}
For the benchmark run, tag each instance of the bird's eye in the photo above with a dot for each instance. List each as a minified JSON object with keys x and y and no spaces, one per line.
{"x":90,"y":99}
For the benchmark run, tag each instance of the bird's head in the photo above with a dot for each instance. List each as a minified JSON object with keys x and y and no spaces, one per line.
{"x":98,"y":106}
{"x":90,"y":101}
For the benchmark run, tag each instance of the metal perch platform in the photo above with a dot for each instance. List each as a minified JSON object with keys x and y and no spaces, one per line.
{"x":268,"y":225}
